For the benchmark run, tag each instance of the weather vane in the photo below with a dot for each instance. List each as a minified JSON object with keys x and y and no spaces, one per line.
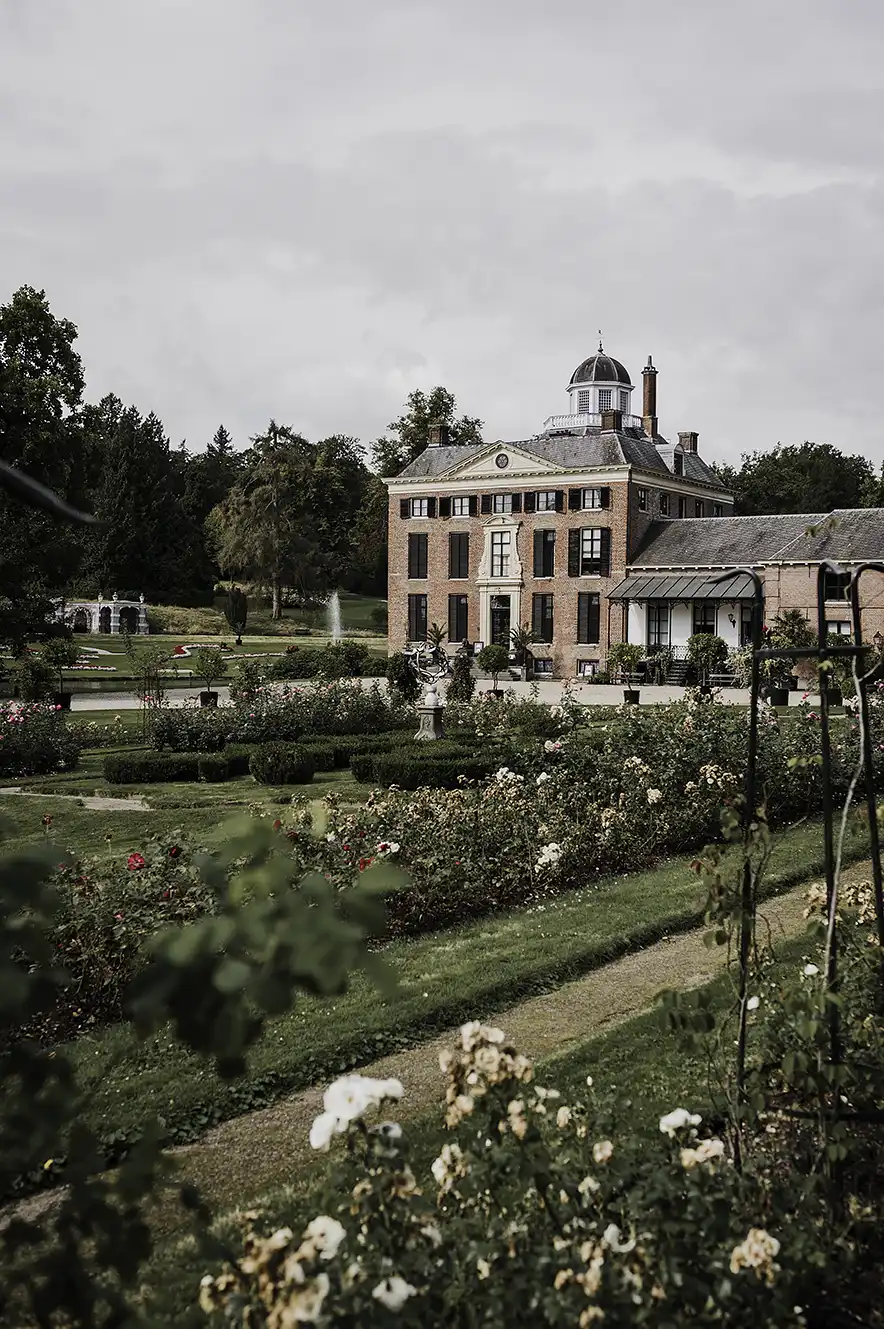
{"x":600,"y":339}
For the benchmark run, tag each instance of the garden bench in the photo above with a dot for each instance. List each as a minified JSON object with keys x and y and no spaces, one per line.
{"x":723,"y":680}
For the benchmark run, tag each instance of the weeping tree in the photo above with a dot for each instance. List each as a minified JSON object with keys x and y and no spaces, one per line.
{"x":236,"y":611}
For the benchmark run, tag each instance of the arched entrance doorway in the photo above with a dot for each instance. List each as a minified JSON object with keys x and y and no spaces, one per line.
{"x":81,"y":620}
{"x":104,"y":619}
{"x":129,"y":619}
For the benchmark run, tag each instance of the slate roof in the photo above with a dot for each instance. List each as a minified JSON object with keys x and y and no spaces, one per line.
{"x":849,"y":535}
{"x":721,"y":542}
{"x":572,"y":452}
{"x":683,"y":586}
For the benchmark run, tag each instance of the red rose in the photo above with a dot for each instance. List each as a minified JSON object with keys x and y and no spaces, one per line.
{"x":345,"y":848}
{"x":134,"y":862}
{"x":174,"y":851}
{"x":47,"y":820}
{"x":277,"y":825}
{"x":167,"y":895}
{"x":365,"y":863}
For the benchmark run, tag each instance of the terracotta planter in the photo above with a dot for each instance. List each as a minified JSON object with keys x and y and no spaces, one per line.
{"x":208,"y":699}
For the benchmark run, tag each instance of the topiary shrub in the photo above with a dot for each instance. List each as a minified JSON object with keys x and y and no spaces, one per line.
{"x":214,"y":767}
{"x":282,"y":763}
{"x":321,"y":754}
{"x":152,"y":767}
{"x":493,"y":660}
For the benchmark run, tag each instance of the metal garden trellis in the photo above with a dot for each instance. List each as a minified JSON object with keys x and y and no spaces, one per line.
{"x":825,"y":653}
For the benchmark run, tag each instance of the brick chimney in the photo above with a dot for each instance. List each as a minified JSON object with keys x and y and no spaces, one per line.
{"x":439,"y":434}
{"x":688,"y":442}
{"x":649,"y":399}
{"x":612,"y":421}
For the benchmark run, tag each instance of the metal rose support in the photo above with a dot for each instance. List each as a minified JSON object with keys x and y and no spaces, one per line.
{"x":868,"y":757}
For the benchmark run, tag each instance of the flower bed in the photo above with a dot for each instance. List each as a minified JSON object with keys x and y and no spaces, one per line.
{"x":34,"y":740}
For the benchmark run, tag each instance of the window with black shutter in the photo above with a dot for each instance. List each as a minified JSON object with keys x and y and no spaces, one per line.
{"x":530,"y":501}
{"x":588,"y":618}
{"x":444,"y":507}
{"x":457,"y":618}
{"x":473,"y":505}
{"x":606,"y":497}
{"x":542,"y":617}
{"x":417,"y":556}
{"x":560,"y":500}
{"x":594,"y":551}
{"x":575,"y":500}
{"x":544,"y":553}
{"x":459,"y":554}
{"x":515,"y":502}
{"x":431,"y":507}
{"x":486,"y":503}
{"x":417,"y":618}
{"x":404,"y":507}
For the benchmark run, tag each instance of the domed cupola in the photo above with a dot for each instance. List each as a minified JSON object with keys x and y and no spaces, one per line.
{"x":600,"y":383}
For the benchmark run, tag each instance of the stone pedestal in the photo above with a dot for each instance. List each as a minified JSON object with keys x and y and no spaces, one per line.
{"x":430,"y":715}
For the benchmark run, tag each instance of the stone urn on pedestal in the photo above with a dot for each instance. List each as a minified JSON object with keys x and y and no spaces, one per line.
{"x":430,"y":716}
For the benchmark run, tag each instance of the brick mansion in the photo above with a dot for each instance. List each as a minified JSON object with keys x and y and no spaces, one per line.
{"x":598,"y":530}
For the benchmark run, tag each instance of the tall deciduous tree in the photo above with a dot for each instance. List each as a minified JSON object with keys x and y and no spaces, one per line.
{"x":266,"y":529}
{"x":41,"y":388}
{"x":412,"y":429}
{"x":810,"y":477}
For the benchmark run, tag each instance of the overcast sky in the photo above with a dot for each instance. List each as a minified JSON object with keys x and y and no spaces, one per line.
{"x":307,"y":208}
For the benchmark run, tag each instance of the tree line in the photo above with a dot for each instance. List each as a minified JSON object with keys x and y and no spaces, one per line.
{"x":297,"y":517}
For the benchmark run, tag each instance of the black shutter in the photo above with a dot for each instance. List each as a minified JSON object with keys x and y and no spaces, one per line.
{"x":573,"y":553}
{"x":538,"y":553}
{"x":473,"y":505}
{"x":530,"y":504}
{"x":404,"y":507}
{"x":444,"y":507}
{"x":606,"y":552}
{"x":537,"y":616}
{"x":516,"y":502}
{"x":486,"y":504}
{"x":431,"y":507}
{"x":575,"y":500}
{"x":582,"y":617}
{"x":560,"y":500}
{"x":452,"y":618}
{"x":594,"y":620}
{"x":606,"y":498}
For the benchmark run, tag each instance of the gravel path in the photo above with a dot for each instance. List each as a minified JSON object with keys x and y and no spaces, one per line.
{"x":95,"y":802}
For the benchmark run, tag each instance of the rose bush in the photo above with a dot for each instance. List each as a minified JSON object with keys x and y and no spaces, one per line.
{"x":34,"y":740}
{"x":536,"y":1210}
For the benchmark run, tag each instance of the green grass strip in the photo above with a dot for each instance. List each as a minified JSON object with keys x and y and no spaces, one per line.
{"x":445,"y":978}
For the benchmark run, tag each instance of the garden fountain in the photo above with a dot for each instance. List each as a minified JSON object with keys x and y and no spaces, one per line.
{"x":333,"y":617}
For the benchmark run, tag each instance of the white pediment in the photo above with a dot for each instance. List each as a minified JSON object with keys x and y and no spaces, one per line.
{"x":485,"y":465}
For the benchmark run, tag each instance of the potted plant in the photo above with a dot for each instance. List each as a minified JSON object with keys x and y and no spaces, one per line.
{"x":522,"y":638}
{"x":707,"y":652}
{"x":788,"y":631}
{"x":209,"y":664}
{"x":493,"y":659}
{"x":236,"y":611}
{"x":435,"y":637}
{"x":624,"y":658}
{"x":60,"y":653}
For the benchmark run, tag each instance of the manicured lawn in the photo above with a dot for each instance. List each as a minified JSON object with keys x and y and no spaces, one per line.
{"x":444,"y":977}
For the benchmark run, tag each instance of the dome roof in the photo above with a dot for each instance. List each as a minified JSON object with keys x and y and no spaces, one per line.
{"x":601,"y":368}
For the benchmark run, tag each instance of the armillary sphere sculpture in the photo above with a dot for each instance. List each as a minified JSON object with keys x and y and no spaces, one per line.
{"x":430,"y":663}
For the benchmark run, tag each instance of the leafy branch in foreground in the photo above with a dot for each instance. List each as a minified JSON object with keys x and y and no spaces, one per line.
{"x":217,"y":980}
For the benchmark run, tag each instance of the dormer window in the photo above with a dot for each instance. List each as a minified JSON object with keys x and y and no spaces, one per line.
{"x":584,"y":401}
{"x":604,"y":399}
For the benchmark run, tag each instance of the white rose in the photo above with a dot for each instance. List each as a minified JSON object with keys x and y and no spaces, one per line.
{"x":322,"y":1130}
{"x":810,"y":971}
{"x":602,"y":1151}
{"x":393,"y":1292}
{"x":677,"y":1120}
{"x":542,"y":778}
{"x":326,"y":1234}
{"x":753,"y":1003}
{"x":654,"y":795}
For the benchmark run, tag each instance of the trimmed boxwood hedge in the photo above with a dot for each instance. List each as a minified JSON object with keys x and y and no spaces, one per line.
{"x":152,"y":767}
{"x":214,"y":767}
{"x":282,"y":763}
{"x":321,"y":754}
{"x":411,"y":771}
{"x":238,"y":756}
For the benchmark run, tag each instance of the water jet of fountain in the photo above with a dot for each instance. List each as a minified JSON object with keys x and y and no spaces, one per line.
{"x":333,"y":617}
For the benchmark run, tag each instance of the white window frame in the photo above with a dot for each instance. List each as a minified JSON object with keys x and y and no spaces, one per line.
{"x":545,"y":500}
{"x":590,"y":537}
{"x":642,"y":500}
{"x":624,"y":400}
{"x":594,"y":497}
{"x":839,"y":627}
{"x":584,"y":401}
{"x":460,"y":507}
{"x":546,"y":671}
{"x":501,"y":548}
{"x":501,"y":504}
{"x":604,"y":399}
{"x":718,"y":509}
{"x":587,"y":668}
{"x":420,"y":507}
